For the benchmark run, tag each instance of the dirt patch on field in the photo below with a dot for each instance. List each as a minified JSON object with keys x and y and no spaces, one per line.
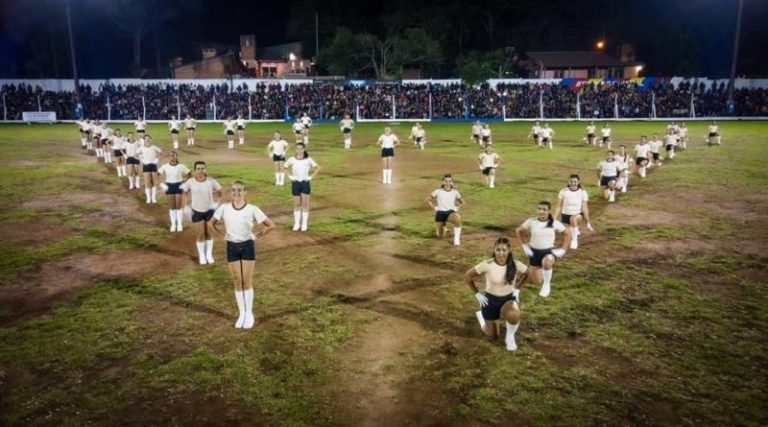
{"x":35,"y":290}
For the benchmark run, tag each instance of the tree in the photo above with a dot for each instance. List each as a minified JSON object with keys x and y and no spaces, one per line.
{"x":342,"y":56}
{"x":415,"y":48}
{"x":478,"y":66}
{"x":378,"y":53}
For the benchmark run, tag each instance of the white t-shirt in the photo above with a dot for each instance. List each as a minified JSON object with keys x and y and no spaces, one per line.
{"x":118,"y":142}
{"x":140,"y":125}
{"x":546,"y":132}
{"x":590,"y":130}
{"x":300,"y":168}
{"x":542,"y":237}
{"x":132,"y":148}
{"x":495,"y":276}
{"x":239,"y":222}
{"x":173,"y":173}
{"x":240,"y":123}
{"x":488,"y":160}
{"x":670,"y":140}
{"x":609,"y":168}
{"x":642,"y":150}
{"x":606,"y":132}
{"x":485,"y":133}
{"x":655,"y":146}
{"x":573,"y":200}
{"x":476,"y":129}
{"x":201,"y":193}
{"x":190,"y":123}
{"x":229,"y":125}
{"x":149,"y":154}
{"x":388,"y":141}
{"x":173,"y":125}
{"x":535,"y":130}
{"x":306,"y":121}
{"x":347,"y":124}
{"x":623,"y":160}
{"x":277,"y":146}
{"x":414,"y":129}
{"x":713,"y":129}
{"x":298,"y":127}
{"x":446,"y":200}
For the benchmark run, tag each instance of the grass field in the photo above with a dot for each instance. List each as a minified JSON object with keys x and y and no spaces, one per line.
{"x":659,"y":318}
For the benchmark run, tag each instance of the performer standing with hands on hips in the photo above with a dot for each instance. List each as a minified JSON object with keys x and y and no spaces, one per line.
{"x":239,"y":217}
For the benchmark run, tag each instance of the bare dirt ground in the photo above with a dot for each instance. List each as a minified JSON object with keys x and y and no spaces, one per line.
{"x":377,"y":393}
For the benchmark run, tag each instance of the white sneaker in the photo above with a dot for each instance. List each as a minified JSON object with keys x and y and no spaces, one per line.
{"x":173,"y":228}
{"x":249,"y":321}
{"x":295,"y":227}
{"x":303,"y":227}
{"x":624,"y":189}
{"x":202,"y":260}
{"x":480,"y":320}
{"x":544,"y":292}
{"x":209,"y":258}
{"x":240,"y":321}
{"x":179,"y":228}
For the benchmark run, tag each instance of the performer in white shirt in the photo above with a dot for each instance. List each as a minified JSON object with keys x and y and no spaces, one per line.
{"x":445,"y":202}
{"x":346,"y":125}
{"x":499,"y":299}
{"x":642,"y":154}
{"x":608,"y":172}
{"x":175,"y":174}
{"x":239,"y":218}
{"x":303,"y":169}
{"x":488,"y":161}
{"x":298,"y":132}
{"x":605,"y":132}
{"x":388,"y":141}
{"x":277,"y":150}
{"x":536,"y":133}
{"x":131,"y":153}
{"x":240,"y":122}
{"x":229,"y":130}
{"x":655,"y":146}
{"x":191,"y":124}
{"x":477,"y":128}
{"x":546,"y":133}
{"x":203,"y":193}
{"x":591,"y":137}
{"x":713,"y":137}
{"x":141,"y":127}
{"x":540,"y":245}
{"x":149,"y":155}
{"x":173,"y":125}
{"x":572,"y":208}
{"x":306,"y":121}
{"x":118,"y":142}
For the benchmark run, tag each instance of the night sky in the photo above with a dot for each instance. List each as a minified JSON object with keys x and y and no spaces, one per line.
{"x":672,"y":37}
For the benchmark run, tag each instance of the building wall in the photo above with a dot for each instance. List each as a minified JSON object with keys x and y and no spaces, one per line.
{"x":212,"y":68}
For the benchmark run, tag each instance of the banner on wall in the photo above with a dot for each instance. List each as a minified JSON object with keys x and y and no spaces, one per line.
{"x":38,"y":116}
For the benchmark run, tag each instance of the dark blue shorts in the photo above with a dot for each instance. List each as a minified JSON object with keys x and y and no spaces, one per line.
{"x":132,"y":161}
{"x":346,"y":130}
{"x":487,"y":171}
{"x":190,"y":129}
{"x":566,"y":219}
{"x":606,"y":179}
{"x":300,"y":187}
{"x":173,"y":188}
{"x":237,"y":251}
{"x":278,"y":157}
{"x":240,"y":128}
{"x":492,"y":311}
{"x":442,"y":216}
{"x":387,"y":152}
{"x":149,"y":167}
{"x":230,"y":132}
{"x":174,"y":131}
{"x":117,"y":153}
{"x":202,"y":216}
{"x":538,"y":256}
{"x":639,"y":160}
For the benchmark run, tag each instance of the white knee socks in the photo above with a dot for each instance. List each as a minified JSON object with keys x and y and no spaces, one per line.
{"x":509,"y":340}
{"x":148,"y":193}
{"x":304,"y":220}
{"x":201,"y":253}
{"x":296,"y":220}
{"x":546,"y":276}
{"x":492,"y":180}
{"x":249,"y":319}
{"x":386,"y":176}
{"x":240,"y":297}
{"x":456,"y":236}
{"x":209,"y":251}
{"x":230,"y":144}
{"x":347,"y":143}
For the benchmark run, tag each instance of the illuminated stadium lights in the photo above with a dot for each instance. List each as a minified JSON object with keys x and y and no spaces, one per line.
{"x":600,"y":44}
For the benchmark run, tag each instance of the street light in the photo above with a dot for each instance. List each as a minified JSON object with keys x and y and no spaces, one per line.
{"x":600,"y":44}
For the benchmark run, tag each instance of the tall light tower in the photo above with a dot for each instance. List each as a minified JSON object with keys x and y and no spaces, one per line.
{"x":732,"y":82}
{"x":72,"y":54}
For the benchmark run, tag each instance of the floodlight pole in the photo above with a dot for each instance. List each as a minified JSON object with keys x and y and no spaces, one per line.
{"x":72,"y":54}
{"x":732,"y":81}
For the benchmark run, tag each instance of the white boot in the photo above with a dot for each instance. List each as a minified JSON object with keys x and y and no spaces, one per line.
{"x":492,"y":180}
{"x":574,"y":241}
{"x":172,"y":214}
{"x":546,"y":283}
{"x":509,"y":340}
{"x":209,"y":251}
{"x":201,"y":253}
{"x":148,"y":193}
{"x":179,"y":220}
{"x":296,"y":220}
{"x":383,"y":176}
{"x":240,"y":297}
{"x":153,"y":194}
{"x":456,"y":236}
{"x":305,"y":220}
{"x":249,"y":319}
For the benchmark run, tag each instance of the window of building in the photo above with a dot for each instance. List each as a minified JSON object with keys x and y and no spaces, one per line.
{"x":268,"y":71}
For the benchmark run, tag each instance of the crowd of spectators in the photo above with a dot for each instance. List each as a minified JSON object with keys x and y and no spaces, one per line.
{"x":330,"y":101}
